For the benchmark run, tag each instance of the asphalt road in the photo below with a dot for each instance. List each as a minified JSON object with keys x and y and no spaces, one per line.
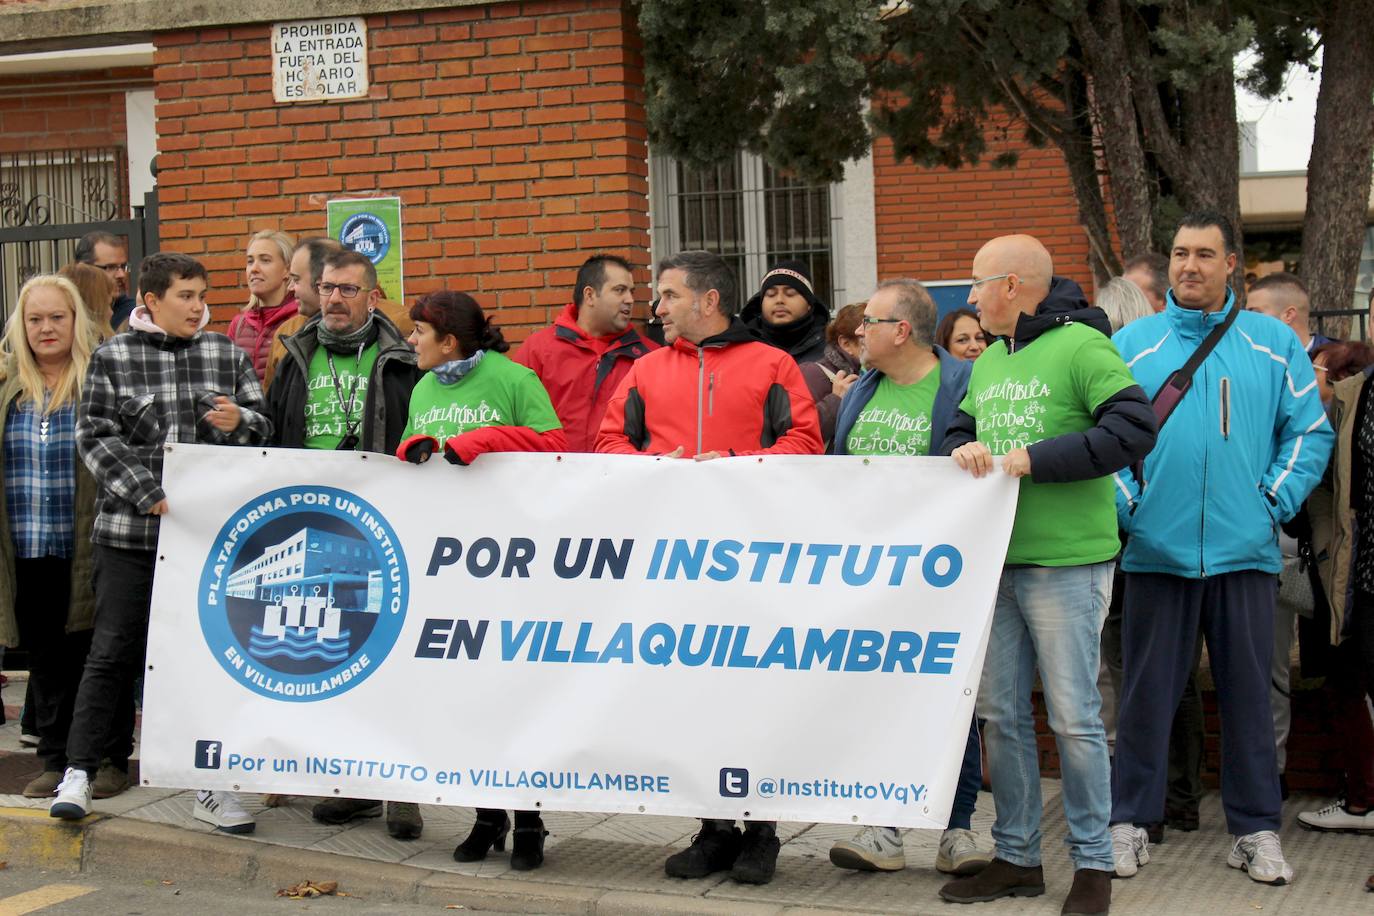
{"x":31,"y":891}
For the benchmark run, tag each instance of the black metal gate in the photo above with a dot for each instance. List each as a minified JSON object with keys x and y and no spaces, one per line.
{"x":49,"y":200}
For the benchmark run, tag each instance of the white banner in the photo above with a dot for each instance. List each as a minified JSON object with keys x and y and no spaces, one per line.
{"x":794,"y":638}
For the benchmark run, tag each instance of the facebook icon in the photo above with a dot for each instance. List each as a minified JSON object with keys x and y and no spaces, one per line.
{"x":734,"y":782}
{"x":208,"y":755}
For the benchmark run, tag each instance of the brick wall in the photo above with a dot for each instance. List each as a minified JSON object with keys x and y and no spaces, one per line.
{"x":51,"y":111}
{"x":513,"y":134}
{"x":931,"y":222}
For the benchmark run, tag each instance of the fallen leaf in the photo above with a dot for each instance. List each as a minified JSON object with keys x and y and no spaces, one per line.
{"x":166,"y":883}
{"x":455,"y":906}
{"x":4,"y":865}
{"x":308,"y":889}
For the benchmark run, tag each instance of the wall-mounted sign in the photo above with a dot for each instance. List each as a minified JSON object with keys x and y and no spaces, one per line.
{"x":372,"y":226}
{"x":319,"y":60}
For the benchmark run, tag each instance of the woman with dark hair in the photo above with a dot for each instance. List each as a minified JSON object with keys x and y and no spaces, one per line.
{"x":960,"y":333}
{"x":1337,"y":361}
{"x":472,"y":400}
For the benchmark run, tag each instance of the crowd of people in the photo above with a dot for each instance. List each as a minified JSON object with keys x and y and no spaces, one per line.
{"x":1135,"y":539}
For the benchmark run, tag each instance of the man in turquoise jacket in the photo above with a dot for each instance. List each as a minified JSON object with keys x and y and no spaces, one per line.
{"x":1242,"y":450}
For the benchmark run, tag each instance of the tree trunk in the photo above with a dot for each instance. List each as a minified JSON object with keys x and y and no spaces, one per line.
{"x":1339,"y":171}
{"x":1102,"y":38}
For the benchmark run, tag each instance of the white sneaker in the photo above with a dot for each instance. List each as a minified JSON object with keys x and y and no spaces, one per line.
{"x":1130,"y":848}
{"x":959,"y":853}
{"x":1335,"y":817}
{"x":224,"y":811}
{"x":875,"y":849}
{"x":73,"y":801}
{"x":1261,"y":855}
{"x":27,"y":740}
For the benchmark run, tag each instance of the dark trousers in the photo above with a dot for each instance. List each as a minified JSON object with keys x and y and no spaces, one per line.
{"x":1163,"y":614}
{"x":970,"y":781}
{"x":42,"y":597}
{"x":1352,"y":679}
{"x":123,"y":596}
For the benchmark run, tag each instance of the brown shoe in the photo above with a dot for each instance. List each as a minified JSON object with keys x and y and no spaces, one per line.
{"x":109,"y":781}
{"x":1091,"y":894}
{"x":44,"y":786}
{"x":999,"y":879}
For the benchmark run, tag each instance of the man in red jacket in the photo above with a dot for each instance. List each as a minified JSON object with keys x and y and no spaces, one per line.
{"x":713,"y":391}
{"x":589,"y":349}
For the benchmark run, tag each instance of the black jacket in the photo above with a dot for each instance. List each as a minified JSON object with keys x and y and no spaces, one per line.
{"x":1125,"y":427}
{"x":394,"y":375}
{"x":804,"y":341}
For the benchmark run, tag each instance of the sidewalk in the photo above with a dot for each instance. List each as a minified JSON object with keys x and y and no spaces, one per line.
{"x":614,"y":863}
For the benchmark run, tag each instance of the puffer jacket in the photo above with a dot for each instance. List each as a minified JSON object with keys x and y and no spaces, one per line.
{"x":1240,"y":454}
{"x":253,"y":329}
{"x":81,"y":610}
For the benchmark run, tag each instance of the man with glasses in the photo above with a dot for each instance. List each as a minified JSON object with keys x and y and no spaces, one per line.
{"x":110,"y":253}
{"x":344,"y":384}
{"x":902,"y":406}
{"x":1052,"y":403}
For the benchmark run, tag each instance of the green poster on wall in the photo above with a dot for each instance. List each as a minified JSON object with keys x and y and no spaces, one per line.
{"x":372,"y":226}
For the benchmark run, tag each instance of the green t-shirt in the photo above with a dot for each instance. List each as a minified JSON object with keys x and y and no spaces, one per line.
{"x":896,"y":419}
{"x":497,"y":392}
{"x":1051,"y":387}
{"x":333,"y":408}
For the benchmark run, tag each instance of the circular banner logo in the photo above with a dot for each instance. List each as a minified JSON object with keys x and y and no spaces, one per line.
{"x":304,"y":593}
{"x":366,"y":234}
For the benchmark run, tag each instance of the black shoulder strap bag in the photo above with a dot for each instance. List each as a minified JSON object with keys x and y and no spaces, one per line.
{"x":1180,"y":380}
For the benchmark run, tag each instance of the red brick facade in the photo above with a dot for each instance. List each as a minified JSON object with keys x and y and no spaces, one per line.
{"x":931,"y":222}
{"x":44,"y":111}
{"x":513,"y":134}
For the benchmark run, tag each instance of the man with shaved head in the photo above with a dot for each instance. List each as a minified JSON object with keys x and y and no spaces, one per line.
{"x":1283,"y":296}
{"x":1050,"y":402}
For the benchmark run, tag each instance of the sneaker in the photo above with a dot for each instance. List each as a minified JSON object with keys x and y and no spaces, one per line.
{"x":959,"y":853}
{"x":73,"y":801}
{"x":109,"y":781}
{"x":1130,"y":849}
{"x":224,"y":811}
{"x":1261,"y":855}
{"x":874,"y":849}
{"x":713,"y":849}
{"x":44,"y":786}
{"x":343,"y":810}
{"x":403,"y":820}
{"x":1336,"y":818}
{"x":27,"y":740}
{"x":758,"y":855}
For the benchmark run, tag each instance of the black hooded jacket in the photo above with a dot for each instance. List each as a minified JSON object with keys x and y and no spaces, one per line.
{"x":803,"y":340}
{"x":1125,"y":423}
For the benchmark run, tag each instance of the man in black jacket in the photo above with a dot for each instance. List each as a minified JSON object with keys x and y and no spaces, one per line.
{"x":345,"y":385}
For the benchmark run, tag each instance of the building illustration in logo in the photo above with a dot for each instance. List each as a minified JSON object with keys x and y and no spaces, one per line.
{"x":304,"y":600}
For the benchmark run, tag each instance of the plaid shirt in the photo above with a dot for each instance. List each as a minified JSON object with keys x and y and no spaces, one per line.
{"x":142,"y":391}
{"x":40,"y":479}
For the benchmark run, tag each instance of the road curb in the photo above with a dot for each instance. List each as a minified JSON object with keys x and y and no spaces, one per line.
{"x":29,"y":837}
{"x":121,"y":846}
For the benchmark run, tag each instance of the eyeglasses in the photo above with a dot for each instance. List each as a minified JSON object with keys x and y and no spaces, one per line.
{"x":346,"y":290}
{"x":114,"y":268}
{"x":977,"y":283}
{"x":870,"y":320}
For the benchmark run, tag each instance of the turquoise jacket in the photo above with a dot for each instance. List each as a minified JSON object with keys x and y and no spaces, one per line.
{"x":1240,"y":454}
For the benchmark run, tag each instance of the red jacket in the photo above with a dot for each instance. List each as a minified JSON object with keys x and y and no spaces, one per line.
{"x":732,"y":395}
{"x":580,"y":372}
{"x":254,"y":329}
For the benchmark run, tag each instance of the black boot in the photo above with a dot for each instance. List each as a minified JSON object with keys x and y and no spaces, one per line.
{"x":758,"y":854}
{"x":528,"y":852}
{"x":713,"y":849}
{"x":487,"y":833}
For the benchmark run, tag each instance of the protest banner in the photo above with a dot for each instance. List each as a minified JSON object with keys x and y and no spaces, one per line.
{"x":780,"y":637}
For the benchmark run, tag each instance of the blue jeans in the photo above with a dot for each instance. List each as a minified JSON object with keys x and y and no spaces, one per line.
{"x":1052,"y":616}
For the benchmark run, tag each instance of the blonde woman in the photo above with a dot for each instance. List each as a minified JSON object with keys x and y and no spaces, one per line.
{"x":271,"y":300}
{"x":46,"y":600}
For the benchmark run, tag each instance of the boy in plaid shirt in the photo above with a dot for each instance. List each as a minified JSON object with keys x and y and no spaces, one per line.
{"x":165,"y":380}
